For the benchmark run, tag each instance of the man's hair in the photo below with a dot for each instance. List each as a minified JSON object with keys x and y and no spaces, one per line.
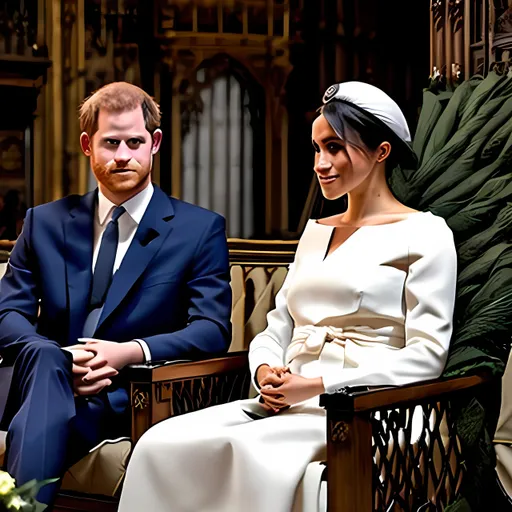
{"x":118,"y":97}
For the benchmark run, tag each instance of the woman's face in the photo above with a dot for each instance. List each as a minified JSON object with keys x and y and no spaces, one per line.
{"x":340,"y":167}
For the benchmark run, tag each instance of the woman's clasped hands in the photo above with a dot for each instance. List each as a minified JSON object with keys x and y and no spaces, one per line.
{"x":280,"y":388}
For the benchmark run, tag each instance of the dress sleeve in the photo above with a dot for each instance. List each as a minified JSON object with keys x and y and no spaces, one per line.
{"x":269,"y":346}
{"x":429,"y":302}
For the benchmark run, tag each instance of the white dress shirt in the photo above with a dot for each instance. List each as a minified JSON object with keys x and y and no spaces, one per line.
{"x":128,"y":224}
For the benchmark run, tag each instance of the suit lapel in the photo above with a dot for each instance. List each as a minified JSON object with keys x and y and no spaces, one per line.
{"x":153,"y":230}
{"x":79,"y":238}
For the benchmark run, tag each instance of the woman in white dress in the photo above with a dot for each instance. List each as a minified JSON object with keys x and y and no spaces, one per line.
{"x":368,"y":301}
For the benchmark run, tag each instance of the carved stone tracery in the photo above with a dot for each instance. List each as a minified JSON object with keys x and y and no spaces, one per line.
{"x":456,"y":8}
{"x":438,"y":8}
{"x":209,"y":35}
{"x":456,"y":13}
{"x":18,"y":29}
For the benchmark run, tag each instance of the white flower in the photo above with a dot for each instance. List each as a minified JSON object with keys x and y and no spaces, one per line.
{"x":15,"y":503}
{"x":7,"y":483}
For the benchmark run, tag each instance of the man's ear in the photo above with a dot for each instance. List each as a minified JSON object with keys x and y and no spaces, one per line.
{"x":157,"y":140}
{"x":85,"y":143}
{"x":383,"y":151}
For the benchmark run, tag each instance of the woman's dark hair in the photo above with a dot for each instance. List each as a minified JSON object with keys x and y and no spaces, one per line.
{"x":356,"y":126}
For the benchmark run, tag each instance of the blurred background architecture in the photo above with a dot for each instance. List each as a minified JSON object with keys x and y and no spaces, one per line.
{"x":238,"y":82}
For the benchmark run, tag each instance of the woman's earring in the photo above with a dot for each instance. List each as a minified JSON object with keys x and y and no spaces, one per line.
{"x":384,"y":153}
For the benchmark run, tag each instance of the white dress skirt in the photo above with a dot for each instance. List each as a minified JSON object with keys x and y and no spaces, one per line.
{"x":219,"y":459}
{"x":376,"y":311}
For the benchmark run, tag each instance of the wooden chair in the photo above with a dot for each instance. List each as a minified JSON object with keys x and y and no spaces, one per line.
{"x":378,"y":456}
{"x":378,"y":460}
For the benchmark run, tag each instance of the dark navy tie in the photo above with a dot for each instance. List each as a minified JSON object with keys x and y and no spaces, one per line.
{"x":105,"y":263}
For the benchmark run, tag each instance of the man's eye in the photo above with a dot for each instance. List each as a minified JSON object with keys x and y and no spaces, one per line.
{"x":113,"y":142}
{"x":135,"y":142}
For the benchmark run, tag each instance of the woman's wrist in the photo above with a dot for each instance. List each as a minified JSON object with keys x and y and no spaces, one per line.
{"x":317,"y":386}
{"x":261,"y":372}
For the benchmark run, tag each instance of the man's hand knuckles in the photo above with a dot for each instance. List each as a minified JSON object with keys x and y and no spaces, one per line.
{"x":98,"y":362}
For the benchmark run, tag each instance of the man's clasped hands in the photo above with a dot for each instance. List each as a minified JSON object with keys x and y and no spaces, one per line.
{"x":96,"y":362}
{"x":280,"y":388}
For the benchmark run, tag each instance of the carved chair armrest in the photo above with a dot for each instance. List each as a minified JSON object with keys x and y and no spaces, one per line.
{"x":392,"y":447}
{"x":185,"y":369}
{"x":354,"y":400}
{"x":161,"y":390}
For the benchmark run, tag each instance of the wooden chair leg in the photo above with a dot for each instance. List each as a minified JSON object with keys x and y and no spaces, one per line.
{"x":349,"y":463}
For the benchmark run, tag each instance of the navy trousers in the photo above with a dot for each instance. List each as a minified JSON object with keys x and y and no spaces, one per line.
{"x":48,"y":428}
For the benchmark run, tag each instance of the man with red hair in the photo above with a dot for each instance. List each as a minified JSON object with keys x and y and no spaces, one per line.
{"x":122,"y":275}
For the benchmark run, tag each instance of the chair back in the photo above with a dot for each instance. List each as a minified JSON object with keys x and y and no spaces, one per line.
{"x":258,"y":270}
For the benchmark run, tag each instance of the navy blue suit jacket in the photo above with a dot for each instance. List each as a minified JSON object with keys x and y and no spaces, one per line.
{"x":171,"y":290}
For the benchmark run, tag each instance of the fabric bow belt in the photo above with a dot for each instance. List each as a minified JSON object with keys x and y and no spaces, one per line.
{"x":311,"y":339}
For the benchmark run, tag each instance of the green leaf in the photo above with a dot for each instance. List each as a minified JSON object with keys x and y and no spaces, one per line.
{"x":448,"y":121}
{"x":431,"y":109}
{"x":26,"y":487}
{"x":481,"y":93}
{"x":464,"y":166}
{"x":31,"y":488}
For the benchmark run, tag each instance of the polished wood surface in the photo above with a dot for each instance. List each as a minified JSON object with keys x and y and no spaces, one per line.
{"x":349,"y":457}
{"x":378,"y":398}
{"x":186,"y":370}
{"x":85,"y":503}
{"x":261,"y":252}
{"x":160,"y":391}
{"x":355,"y":417}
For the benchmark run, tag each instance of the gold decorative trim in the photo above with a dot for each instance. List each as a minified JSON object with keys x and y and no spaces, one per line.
{"x":502,"y":441}
{"x":164,"y":391}
{"x":339,"y":431}
{"x":140,"y":399}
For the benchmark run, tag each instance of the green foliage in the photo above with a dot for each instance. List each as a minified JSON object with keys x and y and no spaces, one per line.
{"x":464,"y":145}
{"x":23,"y":498}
